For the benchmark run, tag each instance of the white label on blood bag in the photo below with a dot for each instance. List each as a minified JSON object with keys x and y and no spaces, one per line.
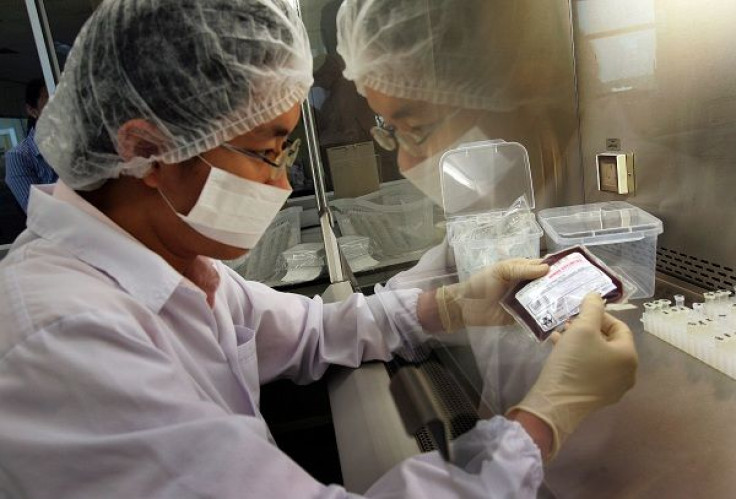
{"x":556,"y":297}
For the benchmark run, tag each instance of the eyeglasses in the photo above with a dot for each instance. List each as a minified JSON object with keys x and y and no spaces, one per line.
{"x":388,"y":137}
{"x":281,"y":165}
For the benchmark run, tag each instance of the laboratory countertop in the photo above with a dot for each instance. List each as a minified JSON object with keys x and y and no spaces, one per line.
{"x":670,"y":436}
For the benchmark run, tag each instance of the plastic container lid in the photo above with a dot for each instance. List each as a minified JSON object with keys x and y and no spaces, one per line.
{"x":598,"y":223}
{"x":486,"y":176}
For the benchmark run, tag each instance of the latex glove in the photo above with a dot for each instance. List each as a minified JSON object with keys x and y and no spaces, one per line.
{"x":592,"y":365}
{"x":476,"y":301}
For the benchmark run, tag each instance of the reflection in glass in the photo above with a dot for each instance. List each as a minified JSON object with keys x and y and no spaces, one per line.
{"x":65,"y":21}
{"x":470,"y":73}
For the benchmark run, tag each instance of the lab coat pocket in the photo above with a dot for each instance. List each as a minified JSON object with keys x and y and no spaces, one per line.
{"x":248,"y":360}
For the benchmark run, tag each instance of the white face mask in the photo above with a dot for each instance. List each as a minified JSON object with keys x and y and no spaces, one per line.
{"x":233,"y":210}
{"x":425,"y":176}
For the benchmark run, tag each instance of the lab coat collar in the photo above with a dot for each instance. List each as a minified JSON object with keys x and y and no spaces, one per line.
{"x":139,"y":271}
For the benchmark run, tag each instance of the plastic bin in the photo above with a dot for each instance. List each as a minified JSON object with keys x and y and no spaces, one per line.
{"x":481,"y":181}
{"x":398,"y":218}
{"x":620,"y":234}
{"x":304,"y":262}
{"x":471,"y":255}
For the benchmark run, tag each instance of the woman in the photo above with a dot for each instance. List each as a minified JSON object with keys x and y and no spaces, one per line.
{"x":130,"y":361}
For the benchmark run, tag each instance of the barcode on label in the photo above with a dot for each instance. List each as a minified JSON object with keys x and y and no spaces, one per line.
{"x":541,"y":303}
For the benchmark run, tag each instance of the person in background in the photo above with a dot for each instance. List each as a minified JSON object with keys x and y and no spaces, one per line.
{"x":131,"y":358}
{"x":24,"y":164}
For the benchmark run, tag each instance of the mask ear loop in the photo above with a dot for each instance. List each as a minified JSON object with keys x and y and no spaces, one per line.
{"x":166,"y":199}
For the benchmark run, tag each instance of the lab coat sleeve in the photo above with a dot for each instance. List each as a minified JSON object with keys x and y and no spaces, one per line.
{"x":299,"y":338}
{"x":90,"y":410}
{"x":434,"y":265}
{"x":495,"y":459}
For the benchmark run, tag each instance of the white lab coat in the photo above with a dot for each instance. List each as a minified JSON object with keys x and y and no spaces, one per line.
{"x":117,"y":379}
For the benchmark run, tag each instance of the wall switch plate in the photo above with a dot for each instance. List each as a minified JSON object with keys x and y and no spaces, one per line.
{"x":615,"y":172}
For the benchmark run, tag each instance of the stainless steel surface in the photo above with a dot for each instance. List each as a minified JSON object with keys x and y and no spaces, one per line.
{"x":661,"y":77}
{"x":338,"y":291}
{"x":315,"y":162}
{"x":670,"y":436}
{"x":332,"y":250}
{"x":49,"y":40}
{"x":44,"y":43}
{"x":706,"y":274}
{"x":326,"y":220}
{"x":370,"y":435}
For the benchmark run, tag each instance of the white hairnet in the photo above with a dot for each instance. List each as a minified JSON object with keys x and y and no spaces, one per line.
{"x":201,"y":71}
{"x":464,"y":53}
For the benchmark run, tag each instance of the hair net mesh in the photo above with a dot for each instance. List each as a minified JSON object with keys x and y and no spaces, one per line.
{"x":463,"y":53}
{"x":201,"y":71}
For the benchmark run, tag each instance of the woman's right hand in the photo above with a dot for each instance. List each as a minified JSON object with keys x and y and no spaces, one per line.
{"x":592,"y":365}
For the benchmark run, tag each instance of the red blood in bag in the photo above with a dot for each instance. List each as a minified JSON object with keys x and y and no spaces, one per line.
{"x":511,"y":303}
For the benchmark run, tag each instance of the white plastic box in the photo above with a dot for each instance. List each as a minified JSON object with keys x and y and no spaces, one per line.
{"x":481,"y":181}
{"x":620,"y":234}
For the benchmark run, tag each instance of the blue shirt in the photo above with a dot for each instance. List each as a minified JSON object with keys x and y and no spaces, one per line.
{"x":24,"y":167}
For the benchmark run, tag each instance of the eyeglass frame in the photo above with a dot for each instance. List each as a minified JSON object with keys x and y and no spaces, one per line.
{"x":281,"y":165}
{"x":408,"y":141}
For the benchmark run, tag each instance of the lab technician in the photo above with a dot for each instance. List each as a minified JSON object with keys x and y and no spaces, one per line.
{"x":445,"y":72}
{"x":131,"y":359}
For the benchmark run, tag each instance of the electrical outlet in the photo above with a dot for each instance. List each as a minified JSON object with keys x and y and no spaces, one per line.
{"x":615,"y":172}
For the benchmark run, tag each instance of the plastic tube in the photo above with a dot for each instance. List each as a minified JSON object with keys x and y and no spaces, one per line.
{"x":710,"y":303}
{"x":680,"y":300}
{"x":707,"y":331}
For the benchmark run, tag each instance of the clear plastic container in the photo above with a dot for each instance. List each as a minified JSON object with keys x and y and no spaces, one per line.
{"x":357,"y":251}
{"x":304,"y":262}
{"x":471,"y":255}
{"x":398,"y":218}
{"x":620,"y":234}
{"x":483,"y":182}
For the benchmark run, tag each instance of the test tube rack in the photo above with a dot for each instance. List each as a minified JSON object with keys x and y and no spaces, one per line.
{"x":707,"y":331}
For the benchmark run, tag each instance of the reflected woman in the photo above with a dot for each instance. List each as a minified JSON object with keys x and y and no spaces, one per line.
{"x":440,"y":73}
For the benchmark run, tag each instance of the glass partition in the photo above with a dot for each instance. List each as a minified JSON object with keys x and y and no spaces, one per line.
{"x":65,"y":19}
{"x":439,"y":76}
{"x":290,"y":254}
{"x":384,"y":223}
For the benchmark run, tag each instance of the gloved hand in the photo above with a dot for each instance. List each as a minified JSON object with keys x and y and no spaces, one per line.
{"x":592,"y":365}
{"x":476,"y":301}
